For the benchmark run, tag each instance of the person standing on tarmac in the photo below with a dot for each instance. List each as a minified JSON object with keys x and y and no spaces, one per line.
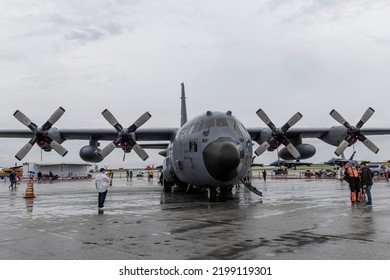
{"x":353,"y":175}
{"x":367,"y":182}
{"x":39,"y":176}
{"x":12,"y":179}
{"x":101,"y":182}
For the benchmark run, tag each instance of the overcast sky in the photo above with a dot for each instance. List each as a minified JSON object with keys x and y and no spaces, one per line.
{"x":131,"y":56}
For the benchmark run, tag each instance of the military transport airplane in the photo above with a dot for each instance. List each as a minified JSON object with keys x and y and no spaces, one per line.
{"x":212,"y":150}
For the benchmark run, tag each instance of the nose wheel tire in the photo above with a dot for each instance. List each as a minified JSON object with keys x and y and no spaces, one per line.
{"x":213,"y":194}
{"x":167,"y":187}
{"x":223,"y":194}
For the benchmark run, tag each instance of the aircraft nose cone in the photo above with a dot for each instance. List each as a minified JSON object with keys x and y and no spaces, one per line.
{"x":221,"y":159}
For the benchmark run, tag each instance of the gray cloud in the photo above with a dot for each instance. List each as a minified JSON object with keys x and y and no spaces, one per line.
{"x":85,"y":34}
{"x":127,"y":56}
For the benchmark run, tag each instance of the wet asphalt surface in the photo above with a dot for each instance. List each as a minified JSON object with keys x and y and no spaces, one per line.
{"x":296,"y":219}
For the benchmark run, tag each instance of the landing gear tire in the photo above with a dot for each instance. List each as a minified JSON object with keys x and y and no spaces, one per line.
{"x":223,"y":194}
{"x":167,"y":186}
{"x":213,"y":194}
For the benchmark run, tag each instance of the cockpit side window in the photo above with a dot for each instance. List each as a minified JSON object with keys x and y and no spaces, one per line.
{"x":197,"y":126}
{"x":183,"y":130}
{"x":241,"y":128}
{"x":238,"y":127}
{"x":231,"y":123}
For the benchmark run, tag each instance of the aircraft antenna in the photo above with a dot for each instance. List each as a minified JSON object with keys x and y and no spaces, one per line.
{"x":183,"y":106}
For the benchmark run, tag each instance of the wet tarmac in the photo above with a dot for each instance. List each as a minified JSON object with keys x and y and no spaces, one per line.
{"x":303,"y":219}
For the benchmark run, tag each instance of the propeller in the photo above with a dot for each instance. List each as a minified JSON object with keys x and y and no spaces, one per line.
{"x":124,"y":139}
{"x":41,"y":136}
{"x":278,"y":134}
{"x":354,"y":132}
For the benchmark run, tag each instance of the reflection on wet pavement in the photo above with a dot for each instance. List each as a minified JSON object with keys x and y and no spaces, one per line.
{"x":295,"y":219}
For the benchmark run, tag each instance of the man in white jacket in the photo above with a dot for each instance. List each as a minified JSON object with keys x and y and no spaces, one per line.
{"x":102,"y":182}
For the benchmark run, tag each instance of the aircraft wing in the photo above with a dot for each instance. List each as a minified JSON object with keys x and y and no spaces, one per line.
{"x":146,"y":134}
{"x":338,"y":136}
{"x":16,"y":134}
{"x":313,"y":132}
{"x":158,"y":146}
{"x":155,"y":138}
{"x":168,"y":134}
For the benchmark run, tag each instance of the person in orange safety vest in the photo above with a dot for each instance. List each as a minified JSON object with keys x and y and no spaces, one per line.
{"x":353,"y":175}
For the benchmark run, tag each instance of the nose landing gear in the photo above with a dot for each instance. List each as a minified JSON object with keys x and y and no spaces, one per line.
{"x":222,"y":192}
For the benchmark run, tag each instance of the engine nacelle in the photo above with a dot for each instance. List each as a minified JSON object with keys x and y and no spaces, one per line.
{"x":335,"y":135}
{"x":55,"y":134}
{"x":306,"y":151}
{"x":90,"y":154}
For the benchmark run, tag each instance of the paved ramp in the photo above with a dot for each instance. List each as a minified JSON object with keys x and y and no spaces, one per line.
{"x":295,"y":219}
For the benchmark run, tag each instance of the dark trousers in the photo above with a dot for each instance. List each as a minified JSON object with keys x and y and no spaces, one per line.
{"x":102,"y":199}
{"x":368,"y":192}
{"x":354,"y":186}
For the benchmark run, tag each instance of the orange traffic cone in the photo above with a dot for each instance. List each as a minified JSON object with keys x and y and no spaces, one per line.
{"x":30,"y":189}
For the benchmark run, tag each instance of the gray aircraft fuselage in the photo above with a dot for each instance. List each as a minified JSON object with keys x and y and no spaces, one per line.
{"x":211,"y":150}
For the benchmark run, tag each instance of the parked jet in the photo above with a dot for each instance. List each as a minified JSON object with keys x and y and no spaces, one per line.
{"x":340,"y":161}
{"x":290,"y":163}
{"x":212,"y":150}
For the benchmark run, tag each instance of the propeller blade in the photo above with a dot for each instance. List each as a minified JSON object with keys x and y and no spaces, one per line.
{"x":293,"y":120}
{"x":293,"y":151}
{"x":25,"y":149}
{"x":140,"y":152}
{"x":262,"y":148}
{"x":340,"y":149}
{"x":112,"y":120}
{"x":368,"y":143}
{"x":140,"y":121}
{"x":263,"y":116}
{"x":25,"y":120}
{"x":366,"y":116}
{"x":339,"y":118}
{"x":107,"y":150}
{"x":53,"y":118}
{"x":58,"y":148}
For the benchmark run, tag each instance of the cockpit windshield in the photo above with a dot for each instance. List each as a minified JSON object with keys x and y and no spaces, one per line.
{"x":207,"y":123}
{"x":222,"y":122}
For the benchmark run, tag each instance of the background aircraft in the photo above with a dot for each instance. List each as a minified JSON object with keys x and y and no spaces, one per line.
{"x":5,"y":171}
{"x":290,"y":163}
{"x":340,"y":161}
{"x":213,"y":150}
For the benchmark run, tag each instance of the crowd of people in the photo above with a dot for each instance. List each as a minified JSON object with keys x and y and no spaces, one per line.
{"x":359,"y":178}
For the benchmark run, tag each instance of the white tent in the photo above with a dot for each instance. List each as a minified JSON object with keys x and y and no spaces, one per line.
{"x":62,"y":170}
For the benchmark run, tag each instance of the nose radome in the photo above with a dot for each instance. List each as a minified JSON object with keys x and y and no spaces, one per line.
{"x":221,"y":158}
